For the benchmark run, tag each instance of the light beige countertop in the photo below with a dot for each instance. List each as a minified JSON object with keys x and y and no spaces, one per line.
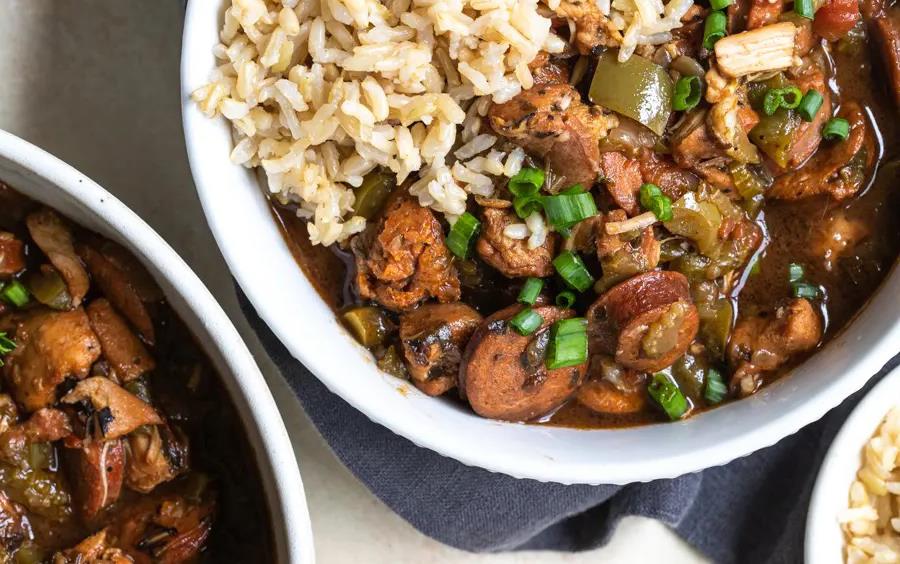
{"x":96,"y":83}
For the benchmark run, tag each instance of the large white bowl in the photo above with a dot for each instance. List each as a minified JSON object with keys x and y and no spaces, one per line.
{"x":46,"y":179}
{"x":824,"y":542}
{"x":263,"y":266}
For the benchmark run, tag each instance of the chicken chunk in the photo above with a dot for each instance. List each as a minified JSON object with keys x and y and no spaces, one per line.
{"x":696,"y":146}
{"x":96,"y":549}
{"x":545,"y":69}
{"x":622,"y":256}
{"x":51,"y":346}
{"x":126,"y":354}
{"x":513,"y":257}
{"x":404,"y":260}
{"x":622,"y":178}
{"x":51,"y":234}
{"x":44,"y":426}
{"x":672,"y":180}
{"x":838,"y":169}
{"x":156,"y":454}
{"x":592,"y":28}
{"x":764,"y":343}
{"x":108,"y":410}
{"x":433,"y":337}
{"x":552,"y":123}
{"x":172,"y":527}
{"x":12,"y":255}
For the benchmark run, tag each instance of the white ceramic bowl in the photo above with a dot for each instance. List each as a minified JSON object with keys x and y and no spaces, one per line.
{"x":263,"y":266}
{"x":46,"y":179}
{"x":824,"y":542}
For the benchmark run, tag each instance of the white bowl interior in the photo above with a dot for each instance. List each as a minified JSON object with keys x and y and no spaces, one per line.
{"x":263,"y":266}
{"x":50,"y":181}
{"x":824,"y":542}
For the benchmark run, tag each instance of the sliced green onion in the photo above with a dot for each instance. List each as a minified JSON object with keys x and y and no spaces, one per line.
{"x":687,"y":93}
{"x":714,"y":28}
{"x":804,"y":290}
{"x":462,"y":235}
{"x":527,"y":205}
{"x":715,"y":389}
{"x":795,"y":272}
{"x":568,"y":343}
{"x":565,"y":210}
{"x":654,"y":200}
{"x":531,"y":290}
{"x":666,"y":393}
{"x":719,"y":4}
{"x":572,"y":270}
{"x":574,"y":189}
{"x":526,"y":321}
{"x":565,"y":299}
{"x":526,"y":182}
{"x":809,"y":105}
{"x":837,"y":129}
{"x":7,"y":346}
{"x":791,"y":97}
{"x":15,"y":293}
{"x":772,"y":101}
{"x":805,"y":8}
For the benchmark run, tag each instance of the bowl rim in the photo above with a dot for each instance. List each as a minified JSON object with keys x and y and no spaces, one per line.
{"x":851,"y":438}
{"x":275,"y":452}
{"x":457,"y":445}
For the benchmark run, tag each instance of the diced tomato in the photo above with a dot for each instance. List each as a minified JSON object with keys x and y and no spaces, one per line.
{"x":836,"y":18}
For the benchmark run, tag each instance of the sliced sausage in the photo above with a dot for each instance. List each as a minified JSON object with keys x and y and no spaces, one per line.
{"x":512,"y":257}
{"x":51,"y":234}
{"x":12,"y":255}
{"x":647,"y":322}
{"x":808,"y":135}
{"x":119,"y":289}
{"x":125,"y":353}
{"x":96,"y":470}
{"x":405,"y":260}
{"x":503,"y":375}
{"x":613,"y":391}
{"x":433,"y":338}
{"x":832,"y":169}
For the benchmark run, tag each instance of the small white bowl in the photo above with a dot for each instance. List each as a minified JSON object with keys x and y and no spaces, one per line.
{"x":261,"y":262}
{"x":44,"y":178}
{"x":824,"y":542}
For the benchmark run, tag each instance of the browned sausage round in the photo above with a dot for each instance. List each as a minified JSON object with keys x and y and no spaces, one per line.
{"x":503,"y":374}
{"x":647,"y":322}
{"x":603,"y":396}
{"x":433,"y":337}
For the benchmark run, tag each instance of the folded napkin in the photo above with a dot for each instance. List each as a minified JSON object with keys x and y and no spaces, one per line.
{"x":752,"y":510}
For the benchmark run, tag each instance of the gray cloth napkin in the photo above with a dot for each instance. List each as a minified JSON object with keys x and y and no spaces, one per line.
{"x":752,"y":510}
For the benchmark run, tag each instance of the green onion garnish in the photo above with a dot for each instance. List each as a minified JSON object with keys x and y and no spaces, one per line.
{"x":714,"y":28}
{"x":526,"y":182}
{"x":15,"y":293}
{"x":795,"y":272}
{"x":715,"y":389}
{"x":526,"y":205}
{"x":804,"y":290}
{"x":654,"y":200}
{"x":526,"y":321}
{"x":7,"y":346}
{"x":837,"y":129}
{"x":531,"y":290}
{"x":565,"y":210}
{"x":719,"y":4}
{"x":804,"y":8}
{"x":568,"y":343}
{"x":687,"y":92}
{"x":573,"y":271}
{"x":668,"y":395}
{"x":462,"y":235}
{"x":809,"y":105}
{"x":565,"y":299}
{"x":788,"y":97}
{"x":574,"y":189}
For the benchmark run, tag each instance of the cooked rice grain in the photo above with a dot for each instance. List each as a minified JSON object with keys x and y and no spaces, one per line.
{"x":872,"y":520}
